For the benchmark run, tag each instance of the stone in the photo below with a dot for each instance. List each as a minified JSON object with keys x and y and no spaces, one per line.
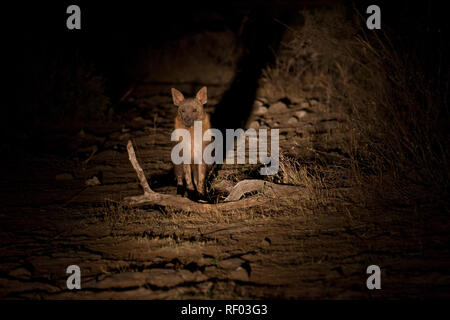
{"x":254,"y":124}
{"x":259,"y":111}
{"x":304,"y":104}
{"x":239,"y":274}
{"x":93,"y":181}
{"x":278,"y":107}
{"x":300,"y":114}
{"x":266,"y":242}
{"x":263,"y":100}
{"x":292,"y":121}
{"x":230,"y":264}
{"x":21,"y":273}
{"x":257,"y":104}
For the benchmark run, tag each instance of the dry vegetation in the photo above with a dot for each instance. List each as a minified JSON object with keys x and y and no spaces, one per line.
{"x":397,"y":143}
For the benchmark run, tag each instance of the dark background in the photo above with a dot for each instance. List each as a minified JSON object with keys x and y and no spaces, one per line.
{"x":113,"y":35}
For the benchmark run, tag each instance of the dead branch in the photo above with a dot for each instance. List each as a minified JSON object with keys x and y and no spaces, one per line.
{"x":265,"y":190}
{"x":259,"y":186}
{"x":138,"y":169}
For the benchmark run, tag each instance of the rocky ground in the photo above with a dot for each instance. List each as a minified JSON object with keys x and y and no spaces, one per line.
{"x":63,"y":210}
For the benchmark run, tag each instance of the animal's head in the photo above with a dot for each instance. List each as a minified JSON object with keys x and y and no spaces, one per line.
{"x":190,"y":109}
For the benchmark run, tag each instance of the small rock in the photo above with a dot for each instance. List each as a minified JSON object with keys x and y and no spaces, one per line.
{"x":239,"y":274}
{"x":64,"y":176}
{"x":137,"y":119}
{"x":254,"y":124}
{"x":300,"y":114}
{"x":266,"y":242}
{"x":81,"y":134}
{"x":205,"y":287}
{"x":295,"y":99}
{"x":93,"y":181}
{"x":313,"y":102}
{"x":21,"y":273}
{"x":257,"y":104}
{"x":125,"y":130}
{"x":278,"y":107}
{"x":259,"y":111}
{"x":304,"y":104}
{"x":292,"y":121}
{"x":264,"y":100}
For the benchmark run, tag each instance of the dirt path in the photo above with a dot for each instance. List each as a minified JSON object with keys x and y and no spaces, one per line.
{"x":124,"y":253}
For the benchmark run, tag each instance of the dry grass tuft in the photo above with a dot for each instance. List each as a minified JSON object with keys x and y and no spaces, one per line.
{"x":312,"y":176}
{"x":116,"y":214}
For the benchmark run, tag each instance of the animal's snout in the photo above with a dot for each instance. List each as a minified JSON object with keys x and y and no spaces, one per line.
{"x":188,"y":121}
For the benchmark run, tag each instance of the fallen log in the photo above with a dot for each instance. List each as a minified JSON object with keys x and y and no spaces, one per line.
{"x":265,"y":191}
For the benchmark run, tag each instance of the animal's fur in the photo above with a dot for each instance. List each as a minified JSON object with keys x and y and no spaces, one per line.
{"x":192,"y":176}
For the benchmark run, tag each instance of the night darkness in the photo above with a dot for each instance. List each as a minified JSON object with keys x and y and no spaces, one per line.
{"x":363,"y":142}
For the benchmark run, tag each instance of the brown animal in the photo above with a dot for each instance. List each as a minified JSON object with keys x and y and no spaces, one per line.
{"x":193,"y":176}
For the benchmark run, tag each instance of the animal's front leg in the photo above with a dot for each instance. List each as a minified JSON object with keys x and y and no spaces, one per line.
{"x":199,"y":178}
{"x":188,"y":177}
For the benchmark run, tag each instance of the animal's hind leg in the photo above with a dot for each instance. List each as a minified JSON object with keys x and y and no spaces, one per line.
{"x":180,"y":179}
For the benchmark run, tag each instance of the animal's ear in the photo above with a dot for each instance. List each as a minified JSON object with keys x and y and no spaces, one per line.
{"x":177,"y":97}
{"x":202,"y":95}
